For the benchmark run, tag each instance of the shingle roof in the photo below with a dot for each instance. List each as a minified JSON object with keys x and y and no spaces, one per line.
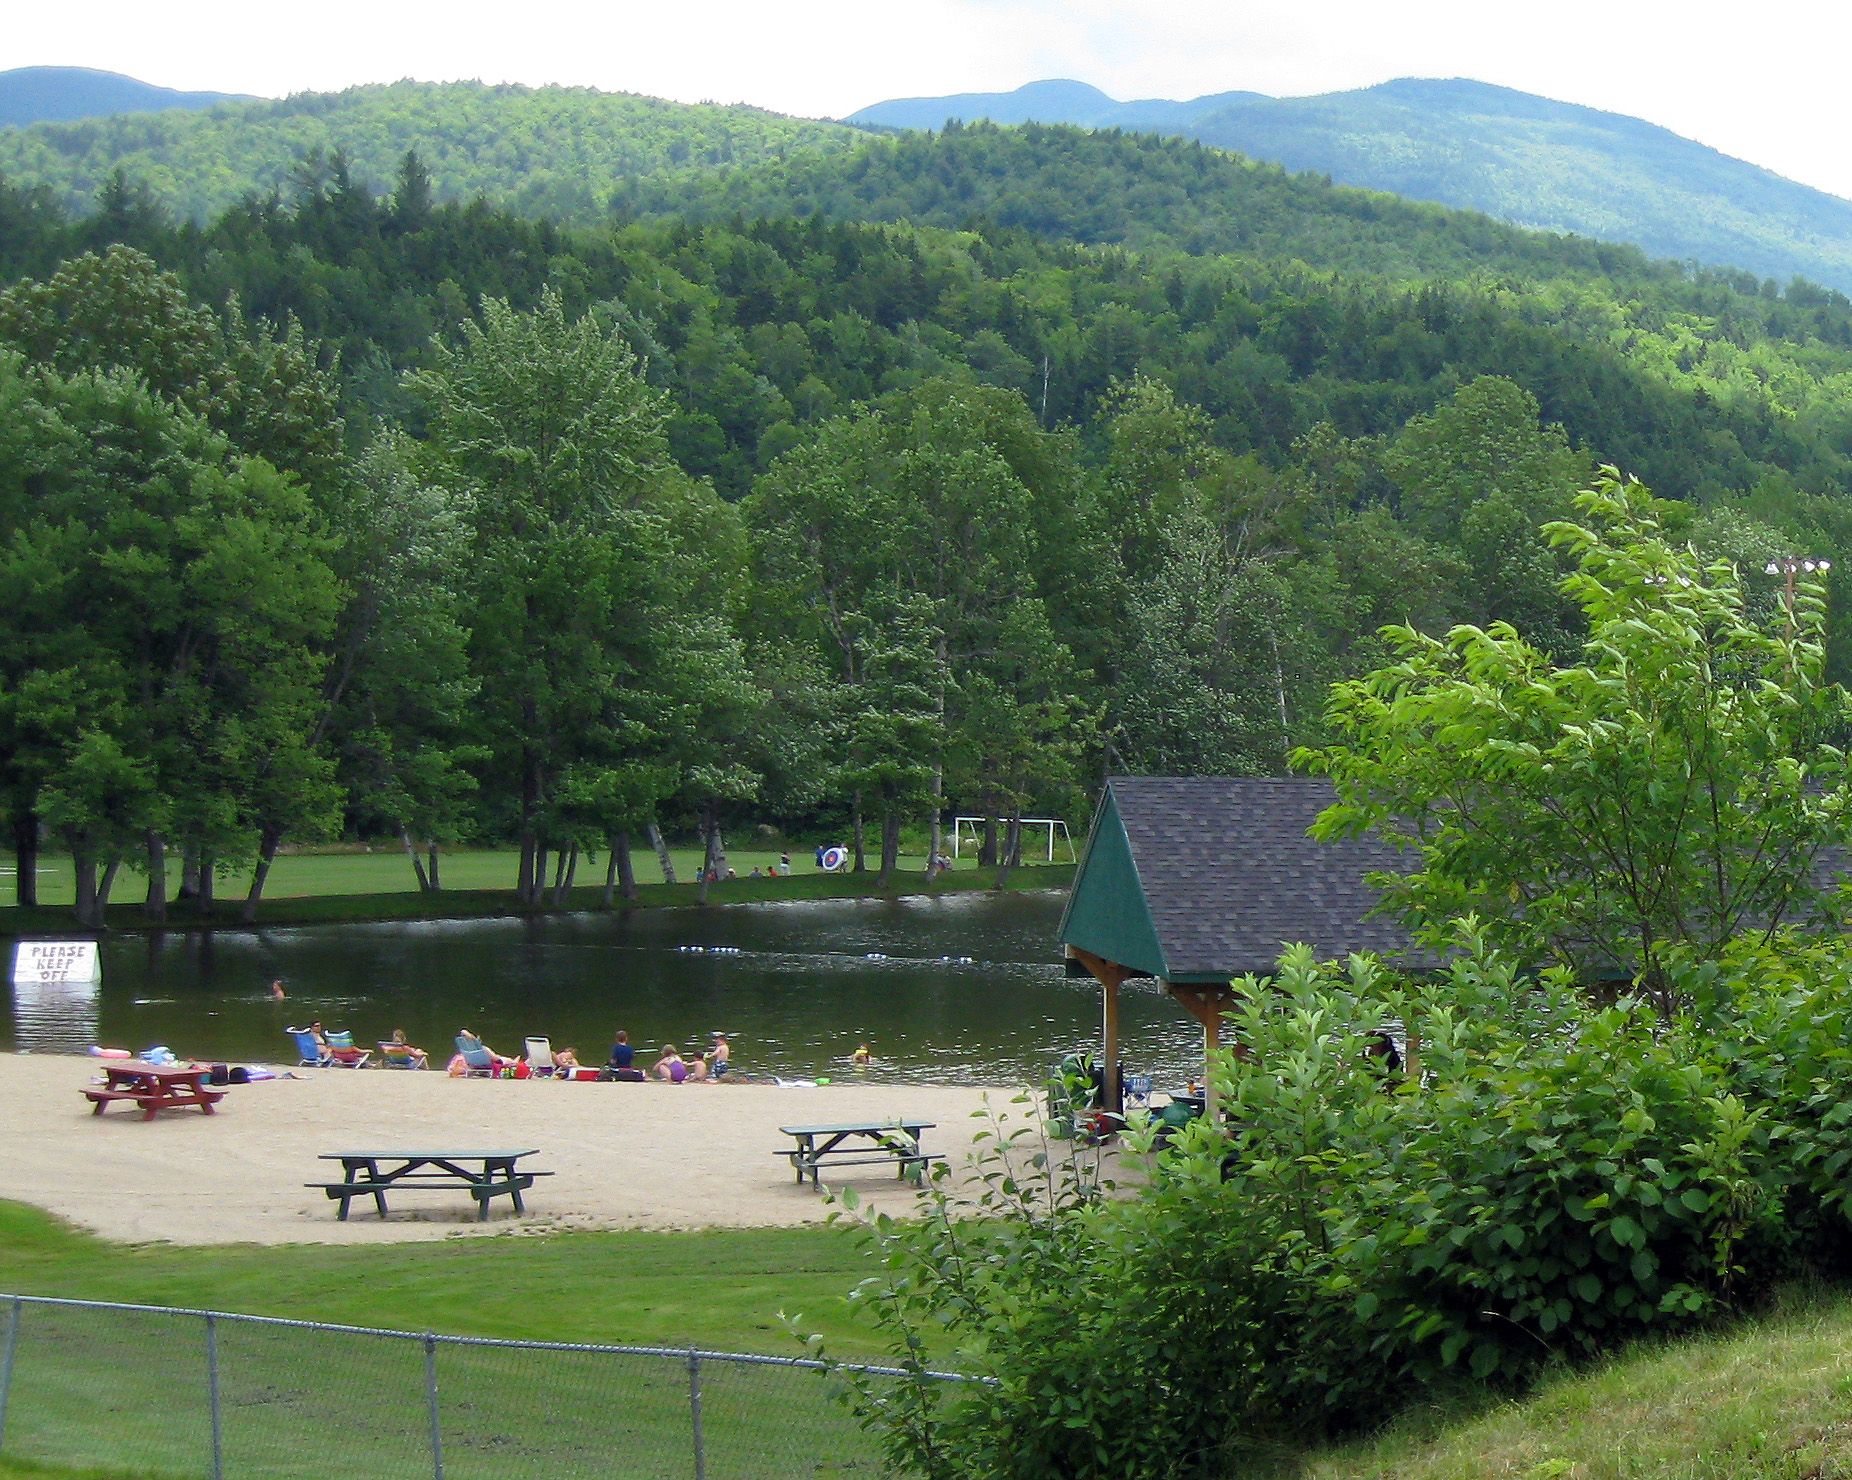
{"x":1230,"y":876}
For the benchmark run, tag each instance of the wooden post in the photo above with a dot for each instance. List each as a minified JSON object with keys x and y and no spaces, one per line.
{"x":1205,"y":1003}
{"x":1109,"y":1031}
{"x":1109,"y":974}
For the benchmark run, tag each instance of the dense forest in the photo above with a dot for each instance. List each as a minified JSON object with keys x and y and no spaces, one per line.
{"x":546,"y":150}
{"x":698,"y":518}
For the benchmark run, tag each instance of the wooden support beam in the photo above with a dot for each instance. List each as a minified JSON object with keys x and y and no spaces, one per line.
{"x":1109,"y":974}
{"x":1206,"y":1002}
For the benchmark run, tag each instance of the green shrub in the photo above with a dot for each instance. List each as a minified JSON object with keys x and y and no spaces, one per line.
{"x":1547,"y":1178}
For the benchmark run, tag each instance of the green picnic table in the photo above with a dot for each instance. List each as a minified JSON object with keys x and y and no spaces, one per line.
{"x":482,"y":1174}
{"x":858,"y":1143}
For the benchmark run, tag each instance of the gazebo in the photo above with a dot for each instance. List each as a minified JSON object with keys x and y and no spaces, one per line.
{"x":1195,"y":880}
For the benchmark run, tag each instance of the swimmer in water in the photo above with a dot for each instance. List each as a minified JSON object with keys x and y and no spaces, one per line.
{"x":276,"y":991}
{"x":861,"y":1058}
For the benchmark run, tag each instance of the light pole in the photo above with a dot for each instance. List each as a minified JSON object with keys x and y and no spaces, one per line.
{"x":1791,"y":566}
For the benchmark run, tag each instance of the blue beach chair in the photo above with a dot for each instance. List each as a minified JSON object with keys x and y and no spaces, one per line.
{"x":481,"y":1062}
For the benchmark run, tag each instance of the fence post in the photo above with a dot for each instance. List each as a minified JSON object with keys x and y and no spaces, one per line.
{"x":694,"y":1408}
{"x":430,"y":1395}
{"x":6,"y":1364}
{"x":212,"y":1396}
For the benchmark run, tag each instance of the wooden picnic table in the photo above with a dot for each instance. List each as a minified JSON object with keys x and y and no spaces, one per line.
{"x":482,"y":1174}
{"x":850,"y":1144}
{"x":154,"y":1087}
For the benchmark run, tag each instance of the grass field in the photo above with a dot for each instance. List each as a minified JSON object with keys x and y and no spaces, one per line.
{"x":330,"y":887}
{"x":126,"y":1392}
{"x":720,"y":1289}
{"x":386,"y":870}
{"x":1768,"y":1400}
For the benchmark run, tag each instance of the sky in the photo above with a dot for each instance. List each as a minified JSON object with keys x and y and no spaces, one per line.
{"x":1764,"y":83}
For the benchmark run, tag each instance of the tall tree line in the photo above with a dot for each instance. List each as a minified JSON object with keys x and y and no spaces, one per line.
{"x":493,"y":573}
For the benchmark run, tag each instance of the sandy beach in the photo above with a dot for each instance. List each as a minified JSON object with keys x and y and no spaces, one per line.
{"x":623,"y":1155}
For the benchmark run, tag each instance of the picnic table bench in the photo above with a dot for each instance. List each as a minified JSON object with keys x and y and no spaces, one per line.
{"x":482,"y":1174}
{"x":154,"y":1087}
{"x":858,"y":1143}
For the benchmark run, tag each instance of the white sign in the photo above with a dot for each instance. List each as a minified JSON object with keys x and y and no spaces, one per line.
{"x":51,"y":961}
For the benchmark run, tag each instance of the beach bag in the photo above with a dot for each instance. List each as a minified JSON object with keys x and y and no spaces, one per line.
{"x":238,"y":1074}
{"x":219,"y":1074}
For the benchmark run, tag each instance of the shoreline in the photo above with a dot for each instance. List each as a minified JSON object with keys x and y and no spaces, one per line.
{"x":649,"y":1156}
{"x":410,"y":906}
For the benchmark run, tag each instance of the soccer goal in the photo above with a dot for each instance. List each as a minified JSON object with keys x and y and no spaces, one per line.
{"x":1052,"y":826}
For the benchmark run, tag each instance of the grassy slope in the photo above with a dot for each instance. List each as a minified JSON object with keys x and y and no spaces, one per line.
{"x":308,"y":888}
{"x":721,"y":1289}
{"x":1765,"y":1402}
{"x":554,"y":150}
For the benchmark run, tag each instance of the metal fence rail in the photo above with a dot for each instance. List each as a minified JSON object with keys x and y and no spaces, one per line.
{"x":168,"y":1391}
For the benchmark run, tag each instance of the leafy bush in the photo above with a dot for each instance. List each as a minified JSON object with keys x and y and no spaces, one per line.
{"x":1545,"y":1179}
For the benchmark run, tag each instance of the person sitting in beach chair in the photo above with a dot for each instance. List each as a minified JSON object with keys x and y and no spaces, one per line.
{"x":346,"y":1054}
{"x":311,"y":1047}
{"x":396,"y":1053}
{"x":475,"y":1059}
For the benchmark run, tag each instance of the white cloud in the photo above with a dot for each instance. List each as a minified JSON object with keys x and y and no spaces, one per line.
{"x":1762,"y":85}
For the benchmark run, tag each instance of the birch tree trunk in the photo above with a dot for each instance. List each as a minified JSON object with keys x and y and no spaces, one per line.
{"x":411,"y":852}
{"x":666,"y":863}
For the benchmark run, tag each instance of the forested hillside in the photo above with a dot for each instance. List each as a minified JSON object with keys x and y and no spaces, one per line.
{"x":699,"y":519}
{"x":1518,"y":157}
{"x":553,"y":151}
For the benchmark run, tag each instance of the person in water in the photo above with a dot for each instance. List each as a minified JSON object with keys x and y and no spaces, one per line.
{"x":276,"y":991}
{"x":719,"y":1057}
{"x":670,"y":1066}
{"x":862,"y":1058}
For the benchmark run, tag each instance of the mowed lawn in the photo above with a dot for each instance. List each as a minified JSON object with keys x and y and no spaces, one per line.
{"x":122,"y":1393}
{"x":388,"y":871}
{"x":722,"y":1289}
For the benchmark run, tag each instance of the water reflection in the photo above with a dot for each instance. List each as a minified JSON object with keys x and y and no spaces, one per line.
{"x":966,"y":988}
{"x":55,"y":1017}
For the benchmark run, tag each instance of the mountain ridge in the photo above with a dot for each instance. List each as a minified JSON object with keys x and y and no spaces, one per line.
{"x":31,"y":95}
{"x":1526,"y":159}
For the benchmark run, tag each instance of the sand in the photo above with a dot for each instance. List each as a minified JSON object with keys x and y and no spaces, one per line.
{"x":623,"y":1155}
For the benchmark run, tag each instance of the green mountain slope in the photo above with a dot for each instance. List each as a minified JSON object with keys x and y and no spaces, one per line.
{"x":552,"y":150}
{"x":57,"y":94}
{"x":1134,"y":190}
{"x":1518,"y":157}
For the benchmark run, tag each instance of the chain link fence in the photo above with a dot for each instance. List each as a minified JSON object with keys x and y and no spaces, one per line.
{"x":157,"y":1391}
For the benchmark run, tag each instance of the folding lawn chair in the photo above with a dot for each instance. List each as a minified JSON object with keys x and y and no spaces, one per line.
{"x":309,"y":1052}
{"x":344,"y":1054}
{"x":480,"y":1062}
{"x":540,"y":1057}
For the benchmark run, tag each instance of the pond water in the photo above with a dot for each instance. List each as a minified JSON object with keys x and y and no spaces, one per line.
{"x":962,"y":989}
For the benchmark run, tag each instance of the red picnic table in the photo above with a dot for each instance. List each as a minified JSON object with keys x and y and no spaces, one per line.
{"x":154,"y":1087}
